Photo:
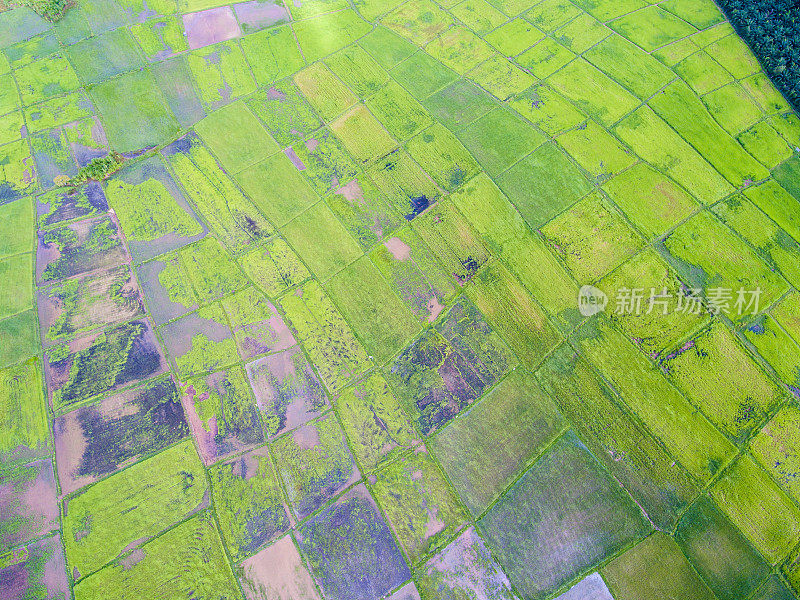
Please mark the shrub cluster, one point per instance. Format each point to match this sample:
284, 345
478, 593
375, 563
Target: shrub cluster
772, 29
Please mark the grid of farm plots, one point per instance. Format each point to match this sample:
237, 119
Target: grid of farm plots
319, 338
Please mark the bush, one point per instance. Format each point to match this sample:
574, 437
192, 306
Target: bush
98, 169
772, 30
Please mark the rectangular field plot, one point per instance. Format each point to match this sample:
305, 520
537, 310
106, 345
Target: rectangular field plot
230, 214
596, 150
38, 566
363, 210
631, 454
151, 210
249, 502
419, 20
221, 74
211, 270
274, 267
19, 332
651, 27
97, 440
18, 175
449, 367
99, 58
351, 549
272, 53
256, 324
327, 33
187, 562
405, 184
419, 503
315, 464
167, 288
277, 573
546, 108
285, 112
564, 515
53, 157
100, 363
87, 302
440, 153
459, 49
16, 278
23, 416
28, 498
200, 342
174, 79
362, 135
422, 75
326, 336
287, 391
15, 218
323, 160
775, 447
105, 520
377, 426
484, 450
458, 104
358, 70
222, 412
464, 569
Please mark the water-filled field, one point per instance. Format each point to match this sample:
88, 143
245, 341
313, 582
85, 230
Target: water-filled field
396, 299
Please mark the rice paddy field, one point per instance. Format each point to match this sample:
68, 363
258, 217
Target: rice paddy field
396, 299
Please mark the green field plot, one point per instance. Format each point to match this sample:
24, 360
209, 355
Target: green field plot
648, 305
185, 562
774, 245
776, 347
358, 70
363, 211
327, 33
86, 302
221, 409
327, 338
99, 439
326, 92
605, 241
376, 425
12, 125
9, 94
531, 524
212, 272
274, 267
545, 58
788, 125
167, 287
134, 111
701, 14
764, 93
655, 568
549, 15
17, 171
732, 108
422, 75
78, 248
277, 188
419, 504
454, 242
221, 73
24, 411
774, 587
785, 313
484, 450
21, 24
323, 160
717, 375
775, 448
16, 279
87, 140
386, 47
160, 38
702, 73
406, 186
285, 112
414, 274
33, 49
651, 27
398, 111
16, 220
543, 184
23, 340
759, 508
377, 315
597, 151
287, 391
673, 53
236, 137
321, 241
705, 535
249, 502
686, 434
480, 16
787, 176
459, 49
449, 367
256, 324
99, 58
464, 569
174, 79
631, 454
654, 141
419, 20
315, 464
513, 313
458, 104
137, 503
623, 61
709, 266
582, 33
503, 79
733, 54
32, 511
52, 156
546, 108
102, 362
778, 204
594, 93
514, 37
686, 114
45, 78
272, 54
499, 139
765, 144
200, 342
440, 153
362, 135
